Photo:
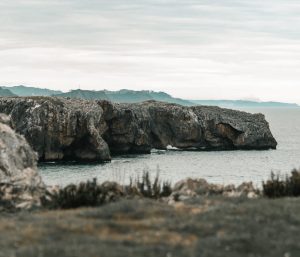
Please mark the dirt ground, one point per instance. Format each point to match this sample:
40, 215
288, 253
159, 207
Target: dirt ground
199, 227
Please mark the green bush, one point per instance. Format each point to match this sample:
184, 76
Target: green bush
278, 186
145, 187
73, 196
89, 194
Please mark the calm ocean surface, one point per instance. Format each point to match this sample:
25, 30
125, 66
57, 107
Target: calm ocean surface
221, 167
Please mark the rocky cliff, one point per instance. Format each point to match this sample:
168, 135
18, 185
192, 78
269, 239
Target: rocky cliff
74, 129
59, 128
142, 126
20, 184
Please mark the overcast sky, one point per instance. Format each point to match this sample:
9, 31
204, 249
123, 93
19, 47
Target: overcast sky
195, 49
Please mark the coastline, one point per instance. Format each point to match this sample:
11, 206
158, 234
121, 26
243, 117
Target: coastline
148, 217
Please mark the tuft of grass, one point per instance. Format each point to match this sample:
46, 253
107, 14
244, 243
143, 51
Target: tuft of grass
277, 186
86, 194
150, 189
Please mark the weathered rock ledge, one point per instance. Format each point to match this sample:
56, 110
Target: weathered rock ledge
74, 129
142, 126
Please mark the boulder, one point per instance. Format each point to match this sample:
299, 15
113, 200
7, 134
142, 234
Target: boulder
20, 184
187, 188
192, 187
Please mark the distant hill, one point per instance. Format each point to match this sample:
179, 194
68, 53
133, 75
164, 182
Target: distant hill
244, 103
31, 91
132, 96
124, 96
6, 92
85, 94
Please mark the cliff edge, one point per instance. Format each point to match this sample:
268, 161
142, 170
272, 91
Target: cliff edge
75, 129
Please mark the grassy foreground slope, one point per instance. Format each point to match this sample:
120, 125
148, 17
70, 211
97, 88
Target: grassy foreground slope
201, 226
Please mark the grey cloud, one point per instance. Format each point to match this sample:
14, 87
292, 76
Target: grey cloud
144, 43
81, 23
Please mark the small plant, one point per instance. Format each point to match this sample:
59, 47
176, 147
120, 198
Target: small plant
149, 189
277, 186
74, 196
91, 194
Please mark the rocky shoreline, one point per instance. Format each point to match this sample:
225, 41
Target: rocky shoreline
75, 129
21, 187
145, 218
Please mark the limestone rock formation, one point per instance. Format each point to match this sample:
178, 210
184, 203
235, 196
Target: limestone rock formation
142, 126
129, 128
73, 129
20, 184
58, 128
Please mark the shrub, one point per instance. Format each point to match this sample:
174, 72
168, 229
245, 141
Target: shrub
73, 196
278, 186
149, 189
89, 194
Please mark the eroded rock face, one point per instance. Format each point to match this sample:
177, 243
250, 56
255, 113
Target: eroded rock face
58, 128
74, 129
20, 184
128, 128
142, 126
231, 129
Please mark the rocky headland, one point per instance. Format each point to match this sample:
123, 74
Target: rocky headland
21, 187
75, 129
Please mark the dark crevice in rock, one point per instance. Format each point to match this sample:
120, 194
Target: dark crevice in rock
80, 150
156, 142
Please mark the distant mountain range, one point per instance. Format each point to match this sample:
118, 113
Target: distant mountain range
30, 91
124, 96
131, 96
6, 92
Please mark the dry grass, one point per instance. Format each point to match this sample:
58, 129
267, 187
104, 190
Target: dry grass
203, 226
86, 194
278, 186
150, 189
